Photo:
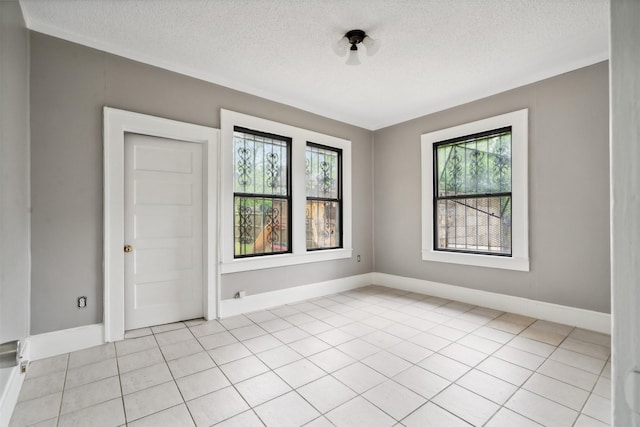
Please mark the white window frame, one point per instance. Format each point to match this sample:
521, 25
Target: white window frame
299, 138
519, 259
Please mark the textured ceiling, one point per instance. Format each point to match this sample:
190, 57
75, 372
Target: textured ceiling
434, 54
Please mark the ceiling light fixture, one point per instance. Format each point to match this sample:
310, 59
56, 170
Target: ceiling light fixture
354, 38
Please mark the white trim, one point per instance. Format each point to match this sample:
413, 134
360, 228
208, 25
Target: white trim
10, 394
299, 137
116, 124
232, 307
42, 346
518, 120
65, 341
587, 319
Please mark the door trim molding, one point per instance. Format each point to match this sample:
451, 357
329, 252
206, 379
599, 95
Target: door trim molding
116, 124
10, 394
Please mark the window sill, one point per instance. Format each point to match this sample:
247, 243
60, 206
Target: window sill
272, 261
477, 260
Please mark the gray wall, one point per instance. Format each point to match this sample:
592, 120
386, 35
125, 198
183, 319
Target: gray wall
568, 180
14, 183
625, 195
69, 86
568, 193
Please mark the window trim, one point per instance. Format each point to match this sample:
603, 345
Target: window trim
519, 259
338, 151
299, 138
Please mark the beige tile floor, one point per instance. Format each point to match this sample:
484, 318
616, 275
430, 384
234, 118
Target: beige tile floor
368, 357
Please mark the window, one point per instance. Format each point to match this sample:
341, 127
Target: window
474, 193
262, 196
286, 194
323, 185
472, 197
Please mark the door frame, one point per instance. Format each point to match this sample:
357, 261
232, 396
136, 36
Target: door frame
116, 124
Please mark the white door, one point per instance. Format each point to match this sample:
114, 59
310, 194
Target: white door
163, 231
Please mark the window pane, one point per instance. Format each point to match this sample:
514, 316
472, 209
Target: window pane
260, 164
475, 166
260, 225
323, 224
322, 169
480, 224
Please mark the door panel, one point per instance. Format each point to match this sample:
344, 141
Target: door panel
162, 159
161, 192
167, 226
163, 224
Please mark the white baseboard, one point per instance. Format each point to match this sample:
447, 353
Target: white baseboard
232, 307
42, 346
59, 342
67, 340
587, 319
10, 395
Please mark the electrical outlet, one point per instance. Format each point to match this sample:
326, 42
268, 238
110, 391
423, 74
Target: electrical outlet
358, 258
82, 302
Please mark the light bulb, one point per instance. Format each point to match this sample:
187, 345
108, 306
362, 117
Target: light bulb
341, 46
372, 45
353, 56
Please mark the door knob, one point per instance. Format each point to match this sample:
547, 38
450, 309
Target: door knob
128, 248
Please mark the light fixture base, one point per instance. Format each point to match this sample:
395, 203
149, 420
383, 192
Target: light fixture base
355, 37
349, 44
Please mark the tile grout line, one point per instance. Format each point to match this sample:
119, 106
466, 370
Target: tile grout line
59, 415
415, 364
251, 408
124, 409
468, 333
533, 372
591, 393
275, 373
321, 414
166, 362
342, 305
500, 406
350, 364
452, 382
392, 378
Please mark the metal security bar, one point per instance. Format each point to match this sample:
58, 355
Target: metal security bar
262, 195
472, 193
323, 173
